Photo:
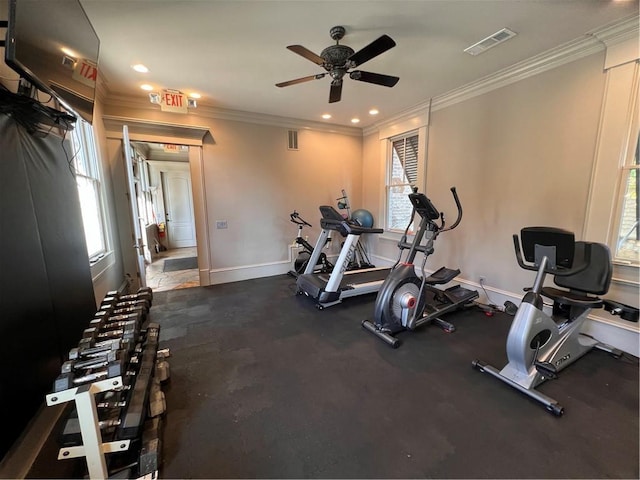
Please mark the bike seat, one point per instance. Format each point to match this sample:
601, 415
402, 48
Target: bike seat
571, 298
582, 287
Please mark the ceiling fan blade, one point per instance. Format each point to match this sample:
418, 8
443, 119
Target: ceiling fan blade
335, 94
374, 49
306, 53
377, 78
301, 80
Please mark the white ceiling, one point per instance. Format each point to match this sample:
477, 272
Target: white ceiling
234, 52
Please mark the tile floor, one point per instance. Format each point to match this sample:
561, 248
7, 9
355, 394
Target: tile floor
160, 281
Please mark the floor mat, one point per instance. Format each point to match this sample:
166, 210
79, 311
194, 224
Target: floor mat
174, 264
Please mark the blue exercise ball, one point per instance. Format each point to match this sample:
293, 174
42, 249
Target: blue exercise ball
362, 217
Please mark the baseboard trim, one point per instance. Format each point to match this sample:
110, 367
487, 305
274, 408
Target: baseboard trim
259, 270
625, 338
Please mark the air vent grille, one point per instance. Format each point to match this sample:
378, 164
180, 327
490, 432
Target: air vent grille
490, 42
292, 140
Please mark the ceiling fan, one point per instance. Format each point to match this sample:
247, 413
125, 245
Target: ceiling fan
338, 60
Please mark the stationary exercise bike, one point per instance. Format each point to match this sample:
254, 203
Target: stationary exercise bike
405, 300
323, 265
540, 345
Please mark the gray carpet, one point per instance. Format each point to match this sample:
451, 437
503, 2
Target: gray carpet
266, 386
263, 385
175, 264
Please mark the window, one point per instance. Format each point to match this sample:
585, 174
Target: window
87, 172
402, 174
627, 247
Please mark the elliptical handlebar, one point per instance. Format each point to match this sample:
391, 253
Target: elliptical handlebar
458, 206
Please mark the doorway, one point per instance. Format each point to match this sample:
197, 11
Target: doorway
170, 238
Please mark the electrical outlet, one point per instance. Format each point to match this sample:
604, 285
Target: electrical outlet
482, 280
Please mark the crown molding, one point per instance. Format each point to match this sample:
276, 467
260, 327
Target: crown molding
592, 42
154, 131
205, 111
621, 31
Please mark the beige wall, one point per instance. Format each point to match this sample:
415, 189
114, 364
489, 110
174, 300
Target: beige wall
254, 182
520, 155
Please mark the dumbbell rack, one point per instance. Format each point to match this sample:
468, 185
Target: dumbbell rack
122, 346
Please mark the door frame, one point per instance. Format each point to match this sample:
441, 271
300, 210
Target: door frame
165, 172
193, 137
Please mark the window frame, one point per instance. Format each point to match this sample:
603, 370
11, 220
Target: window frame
630, 164
421, 167
87, 166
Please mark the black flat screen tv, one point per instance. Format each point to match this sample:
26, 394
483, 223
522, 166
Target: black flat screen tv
52, 45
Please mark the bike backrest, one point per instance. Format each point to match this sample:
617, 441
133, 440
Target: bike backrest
554, 243
596, 278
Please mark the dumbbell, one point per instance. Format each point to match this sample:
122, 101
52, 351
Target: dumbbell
128, 332
111, 405
106, 321
114, 303
71, 433
108, 312
92, 362
85, 349
123, 309
67, 379
144, 292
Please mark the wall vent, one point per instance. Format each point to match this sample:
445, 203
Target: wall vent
490, 42
292, 140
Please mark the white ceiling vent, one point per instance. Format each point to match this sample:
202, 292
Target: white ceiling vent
491, 41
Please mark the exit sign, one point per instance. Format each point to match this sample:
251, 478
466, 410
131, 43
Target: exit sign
85, 72
174, 101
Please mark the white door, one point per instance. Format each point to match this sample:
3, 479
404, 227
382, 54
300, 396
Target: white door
138, 242
181, 228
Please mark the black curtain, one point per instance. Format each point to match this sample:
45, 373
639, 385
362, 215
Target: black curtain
46, 291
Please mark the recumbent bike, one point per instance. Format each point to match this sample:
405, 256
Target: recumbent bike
539, 345
405, 300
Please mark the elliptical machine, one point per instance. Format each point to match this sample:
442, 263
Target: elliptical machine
539, 344
405, 300
323, 265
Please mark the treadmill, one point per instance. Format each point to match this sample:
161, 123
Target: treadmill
328, 289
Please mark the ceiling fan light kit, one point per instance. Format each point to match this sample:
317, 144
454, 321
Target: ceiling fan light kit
338, 60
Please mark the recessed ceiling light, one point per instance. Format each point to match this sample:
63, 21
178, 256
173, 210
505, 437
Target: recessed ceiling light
146, 87
140, 68
355, 120
195, 95
373, 111
326, 116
